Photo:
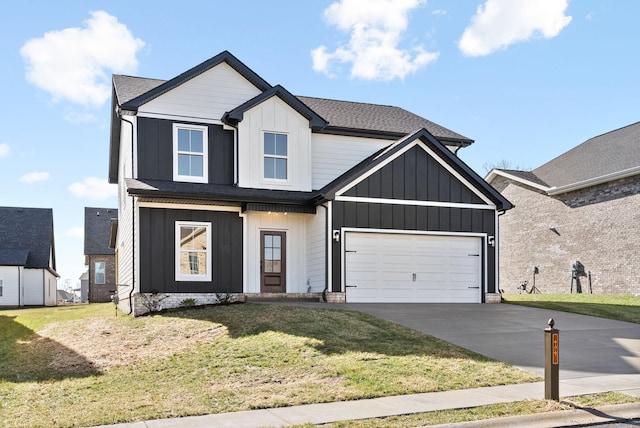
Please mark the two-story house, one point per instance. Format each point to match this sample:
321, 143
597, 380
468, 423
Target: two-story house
228, 184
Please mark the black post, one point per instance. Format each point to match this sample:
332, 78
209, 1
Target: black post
551, 362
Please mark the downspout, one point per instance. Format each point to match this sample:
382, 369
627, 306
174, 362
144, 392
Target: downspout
326, 253
497, 251
236, 150
133, 226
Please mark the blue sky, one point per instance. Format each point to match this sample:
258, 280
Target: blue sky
526, 79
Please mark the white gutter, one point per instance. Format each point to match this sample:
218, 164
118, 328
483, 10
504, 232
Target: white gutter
594, 181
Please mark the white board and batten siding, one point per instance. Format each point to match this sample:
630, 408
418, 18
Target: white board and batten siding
274, 115
206, 96
9, 280
412, 268
316, 250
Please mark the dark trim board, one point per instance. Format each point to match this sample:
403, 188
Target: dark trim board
157, 251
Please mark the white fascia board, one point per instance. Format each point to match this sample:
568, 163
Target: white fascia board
414, 202
594, 181
495, 172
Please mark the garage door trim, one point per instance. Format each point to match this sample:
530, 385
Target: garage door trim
482, 236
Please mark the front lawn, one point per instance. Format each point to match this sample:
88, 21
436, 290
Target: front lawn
81, 365
613, 306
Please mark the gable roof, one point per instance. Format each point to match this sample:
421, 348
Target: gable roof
97, 228
163, 87
315, 121
610, 156
27, 231
381, 157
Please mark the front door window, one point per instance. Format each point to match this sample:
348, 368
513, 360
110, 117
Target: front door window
273, 262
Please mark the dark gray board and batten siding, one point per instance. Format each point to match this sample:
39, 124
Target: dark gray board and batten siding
400, 179
155, 151
157, 251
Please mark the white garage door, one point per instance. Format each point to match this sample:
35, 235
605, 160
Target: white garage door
402, 268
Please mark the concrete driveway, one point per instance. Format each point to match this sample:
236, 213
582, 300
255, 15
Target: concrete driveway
589, 346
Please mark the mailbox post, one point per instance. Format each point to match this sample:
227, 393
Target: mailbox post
551, 361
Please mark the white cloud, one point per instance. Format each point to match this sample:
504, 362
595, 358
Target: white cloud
33, 177
76, 63
376, 28
75, 232
500, 23
4, 150
94, 188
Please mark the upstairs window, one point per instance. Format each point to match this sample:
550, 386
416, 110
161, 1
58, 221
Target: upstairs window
193, 251
190, 153
275, 156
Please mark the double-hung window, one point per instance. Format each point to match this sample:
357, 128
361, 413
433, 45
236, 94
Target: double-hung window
275, 156
100, 274
193, 251
190, 153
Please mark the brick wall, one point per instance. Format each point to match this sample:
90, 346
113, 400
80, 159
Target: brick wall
102, 292
599, 226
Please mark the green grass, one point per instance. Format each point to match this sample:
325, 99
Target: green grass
80, 365
612, 306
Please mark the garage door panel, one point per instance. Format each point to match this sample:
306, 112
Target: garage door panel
412, 268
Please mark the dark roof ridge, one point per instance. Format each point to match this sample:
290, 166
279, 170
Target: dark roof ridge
348, 101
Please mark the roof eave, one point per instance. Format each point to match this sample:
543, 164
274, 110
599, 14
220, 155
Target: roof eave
630, 172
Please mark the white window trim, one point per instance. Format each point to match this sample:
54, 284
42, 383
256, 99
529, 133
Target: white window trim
205, 153
192, 277
264, 179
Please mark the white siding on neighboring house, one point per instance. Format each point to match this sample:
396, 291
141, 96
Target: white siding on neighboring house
294, 226
10, 276
50, 289
333, 155
275, 116
207, 96
316, 250
33, 287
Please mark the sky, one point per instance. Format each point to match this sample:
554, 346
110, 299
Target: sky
526, 79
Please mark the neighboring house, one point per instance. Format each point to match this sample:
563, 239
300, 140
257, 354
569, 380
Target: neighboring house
84, 287
582, 206
230, 185
98, 256
28, 274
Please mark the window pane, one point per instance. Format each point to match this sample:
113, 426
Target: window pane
268, 253
269, 167
281, 169
276, 241
281, 145
268, 240
183, 140
184, 165
268, 266
196, 141
276, 266
276, 254
269, 144
196, 166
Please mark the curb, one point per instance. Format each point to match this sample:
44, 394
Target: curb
579, 416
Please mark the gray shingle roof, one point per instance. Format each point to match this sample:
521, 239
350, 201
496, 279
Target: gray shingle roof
376, 117
609, 153
526, 175
341, 115
27, 231
97, 226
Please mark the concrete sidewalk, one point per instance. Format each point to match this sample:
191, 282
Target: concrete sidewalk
427, 402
